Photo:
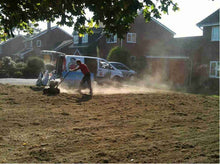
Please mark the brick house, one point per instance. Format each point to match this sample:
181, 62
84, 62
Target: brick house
140, 40
12, 46
48, 39
203, 52
86, 45
155, 42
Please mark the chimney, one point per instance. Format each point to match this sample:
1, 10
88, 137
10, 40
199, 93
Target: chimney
48, 26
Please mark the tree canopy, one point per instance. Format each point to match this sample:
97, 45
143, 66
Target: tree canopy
116, 15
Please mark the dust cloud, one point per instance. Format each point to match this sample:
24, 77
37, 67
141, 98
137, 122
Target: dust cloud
145, 85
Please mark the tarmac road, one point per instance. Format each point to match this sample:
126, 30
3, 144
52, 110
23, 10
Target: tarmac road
17, 81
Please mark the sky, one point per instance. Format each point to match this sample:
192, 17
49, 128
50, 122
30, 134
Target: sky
182, 22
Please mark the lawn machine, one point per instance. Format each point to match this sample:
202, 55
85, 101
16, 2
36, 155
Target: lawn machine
53, 86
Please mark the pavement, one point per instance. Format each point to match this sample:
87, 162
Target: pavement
18, 81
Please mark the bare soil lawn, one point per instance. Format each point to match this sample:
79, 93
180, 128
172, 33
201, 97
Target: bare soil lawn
149, 127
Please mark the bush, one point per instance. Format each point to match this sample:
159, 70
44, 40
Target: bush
18, 74
4, 74
118, 54
35, 65
21, 66
8, 66
1, 64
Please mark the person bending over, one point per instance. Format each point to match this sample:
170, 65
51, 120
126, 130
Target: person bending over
86, 78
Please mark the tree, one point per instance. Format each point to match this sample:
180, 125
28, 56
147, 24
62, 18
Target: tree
116, 15
35, 65
119, 54
8, 65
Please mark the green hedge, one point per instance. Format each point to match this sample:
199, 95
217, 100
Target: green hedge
119, 54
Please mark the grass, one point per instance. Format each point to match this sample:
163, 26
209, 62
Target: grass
138, 128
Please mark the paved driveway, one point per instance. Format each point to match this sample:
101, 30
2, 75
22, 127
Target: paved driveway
16, 81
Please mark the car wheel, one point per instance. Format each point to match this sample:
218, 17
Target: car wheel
117, 79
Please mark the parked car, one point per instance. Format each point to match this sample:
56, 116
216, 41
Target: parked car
101, 70
127, 72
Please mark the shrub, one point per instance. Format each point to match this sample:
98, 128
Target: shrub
18, 74
1, 64
4, 74
8, 65
21, 65
118, 54
35, 65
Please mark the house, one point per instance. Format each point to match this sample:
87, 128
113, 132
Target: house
85, 45
191, 61
11, 46
155, 42
209, 55
203, 52
140, 40
48, 39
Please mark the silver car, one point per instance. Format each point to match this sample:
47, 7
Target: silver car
127, 72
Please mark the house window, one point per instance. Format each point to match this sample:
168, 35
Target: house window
215, 33
85, 38
38, 43
112, 39
131, 38
214, 69
76, 39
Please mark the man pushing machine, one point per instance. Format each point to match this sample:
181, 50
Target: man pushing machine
86, 78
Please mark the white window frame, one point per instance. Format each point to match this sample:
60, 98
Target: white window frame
38, 43
216, 69
76, 39
215, 33
131, 37
112, 39
85, 38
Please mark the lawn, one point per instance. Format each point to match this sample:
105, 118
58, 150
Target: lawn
130, 127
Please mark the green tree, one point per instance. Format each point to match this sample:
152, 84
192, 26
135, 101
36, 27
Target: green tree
119, 54
116, 15
34, 66
8, 65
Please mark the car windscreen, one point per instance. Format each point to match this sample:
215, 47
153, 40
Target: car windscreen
120, 66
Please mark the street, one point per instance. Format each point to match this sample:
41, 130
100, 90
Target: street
17, 81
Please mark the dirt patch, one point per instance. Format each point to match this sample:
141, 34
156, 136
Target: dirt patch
142, 127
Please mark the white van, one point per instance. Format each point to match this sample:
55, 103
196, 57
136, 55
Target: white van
101, 70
